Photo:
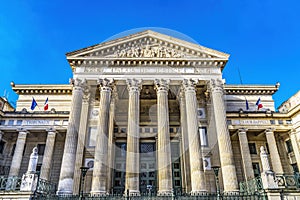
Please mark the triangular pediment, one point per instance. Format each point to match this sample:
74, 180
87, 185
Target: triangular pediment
147, 44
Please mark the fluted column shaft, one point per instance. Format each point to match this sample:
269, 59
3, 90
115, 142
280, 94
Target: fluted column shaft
100, 161
132, 154
111, 147
48, 155
1, 135
226, 154
246, 157
274, 154
184, 143
65, 185
18, 154
295, 144
196, 162
81, 139
163, 139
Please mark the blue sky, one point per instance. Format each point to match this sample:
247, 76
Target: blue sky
262, 37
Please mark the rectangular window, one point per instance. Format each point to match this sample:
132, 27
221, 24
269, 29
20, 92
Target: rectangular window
154, 130
147, 130
288, 121
252, 148
121, 149
19, 122
289, 146
280, 121
56, 122
116, 130
272, 121
2, 145
41, 149
171, 130
10, 122
123, 130
256, 169
2, 122
13, 150
65, 122
203, 136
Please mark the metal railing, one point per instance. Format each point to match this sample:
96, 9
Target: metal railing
45, 187
289, 181
252, 186
12, 183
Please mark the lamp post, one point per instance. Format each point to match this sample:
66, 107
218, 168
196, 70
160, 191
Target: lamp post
216, 171
82, 177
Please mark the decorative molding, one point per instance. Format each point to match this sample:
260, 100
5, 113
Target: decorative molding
161, 85
147, 51
250, 89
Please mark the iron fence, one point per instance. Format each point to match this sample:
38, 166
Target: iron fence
290, 181
12, 183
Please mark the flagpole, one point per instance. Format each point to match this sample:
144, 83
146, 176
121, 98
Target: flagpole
241, 81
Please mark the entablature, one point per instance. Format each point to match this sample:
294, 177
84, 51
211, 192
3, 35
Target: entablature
251, 89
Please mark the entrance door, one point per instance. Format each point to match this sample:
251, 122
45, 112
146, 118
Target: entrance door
147, 168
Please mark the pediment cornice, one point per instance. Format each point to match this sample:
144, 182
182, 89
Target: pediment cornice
146, 46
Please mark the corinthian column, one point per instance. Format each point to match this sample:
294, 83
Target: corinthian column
47, 158
81, 138
163, 139
246, 157
196, 162
65, 184
100, 160
18, 154
111, 137
226, 155
184, 143
132, 154
275, 158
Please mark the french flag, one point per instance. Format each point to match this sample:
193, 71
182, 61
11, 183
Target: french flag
46, 104
259, 104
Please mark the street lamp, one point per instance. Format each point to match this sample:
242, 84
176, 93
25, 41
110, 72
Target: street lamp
216, 171
82, 177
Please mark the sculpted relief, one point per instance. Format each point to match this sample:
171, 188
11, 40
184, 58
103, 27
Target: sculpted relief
148, 52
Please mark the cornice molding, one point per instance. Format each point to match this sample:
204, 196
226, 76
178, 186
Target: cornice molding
250, 89
43, 89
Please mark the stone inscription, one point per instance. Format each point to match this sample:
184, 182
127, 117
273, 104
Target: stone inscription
250, 122
36, 122
151, 70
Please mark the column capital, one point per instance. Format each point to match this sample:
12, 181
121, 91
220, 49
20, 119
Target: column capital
189, 84
134, 85
291, 132
105, 84
241, 130
51, 129
22, 130
86, 93
269, 130
161, 85
216, 85
78, 84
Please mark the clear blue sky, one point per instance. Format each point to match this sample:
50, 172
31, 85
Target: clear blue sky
262, 36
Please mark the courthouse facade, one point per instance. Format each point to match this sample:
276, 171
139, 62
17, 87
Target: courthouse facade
149, 111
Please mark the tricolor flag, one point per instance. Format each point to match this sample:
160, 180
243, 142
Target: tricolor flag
46, 104
247, 105
33, 104
259, 104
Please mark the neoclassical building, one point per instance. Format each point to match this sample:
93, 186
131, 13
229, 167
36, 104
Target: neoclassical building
149, 111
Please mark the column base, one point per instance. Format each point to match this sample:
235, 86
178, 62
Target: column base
198, 192
99, 193
165, 193
132, 193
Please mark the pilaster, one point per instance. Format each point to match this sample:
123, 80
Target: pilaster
295, 144
81, 137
